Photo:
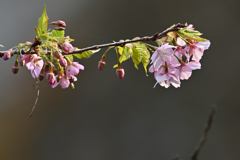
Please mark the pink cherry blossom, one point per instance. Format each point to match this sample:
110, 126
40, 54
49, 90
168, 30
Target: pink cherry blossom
161, 55
196, 49
33, 63
73, 69
166, 75
63, 81
185, 71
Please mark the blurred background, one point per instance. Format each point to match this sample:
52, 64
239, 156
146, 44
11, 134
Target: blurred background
105, 118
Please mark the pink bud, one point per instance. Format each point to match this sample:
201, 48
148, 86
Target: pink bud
50, 77
101, 65
120, 73
58, 55
59, 23
15, 68
7, 54
59, 28
67, 47
63, 62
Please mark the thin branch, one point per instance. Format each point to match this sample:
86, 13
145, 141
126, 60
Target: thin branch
37, 86
205, 133
146, 38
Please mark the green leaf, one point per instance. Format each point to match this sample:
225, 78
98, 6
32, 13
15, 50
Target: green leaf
144, 54
136, 57
44, 40
86, 54
1, 45
193, 36
196, 33
70, 57
145, 62
43, 22
56, 33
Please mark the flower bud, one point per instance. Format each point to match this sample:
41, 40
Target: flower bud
59, 23
50, 77
7, 54
15, 68
63, 62
67, 47
120, 73
58, 55
101, 65
59, 28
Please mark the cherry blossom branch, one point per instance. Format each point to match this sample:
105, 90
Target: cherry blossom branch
146, 38
121, 43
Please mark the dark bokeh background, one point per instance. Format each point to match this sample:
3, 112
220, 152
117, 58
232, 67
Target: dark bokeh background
105, 118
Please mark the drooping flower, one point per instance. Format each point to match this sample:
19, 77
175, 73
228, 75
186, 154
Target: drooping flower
63, 80
161, 55
73, 69
33, 63
166, 75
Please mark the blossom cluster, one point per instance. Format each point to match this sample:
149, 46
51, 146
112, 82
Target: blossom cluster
58, 66
172, 63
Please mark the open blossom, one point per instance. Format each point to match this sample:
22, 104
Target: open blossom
63, 80
196, 49
166, 75
33, 63
73, 69
161, 55
185, 71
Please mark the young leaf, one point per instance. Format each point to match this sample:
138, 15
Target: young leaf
56, 33
136, 57
86, 54
43, 22
70, 57
192, 35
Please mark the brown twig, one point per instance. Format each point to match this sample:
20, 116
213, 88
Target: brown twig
94, 47
205, 133
38, 88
